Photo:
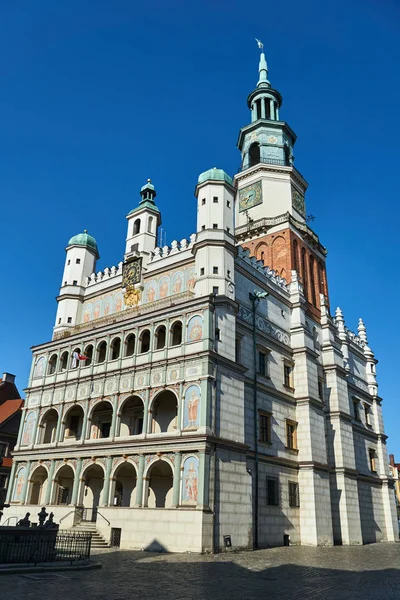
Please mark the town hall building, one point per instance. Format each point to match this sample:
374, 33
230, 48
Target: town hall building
205, 389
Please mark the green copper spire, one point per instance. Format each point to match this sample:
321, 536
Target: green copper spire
148, 194
262, 68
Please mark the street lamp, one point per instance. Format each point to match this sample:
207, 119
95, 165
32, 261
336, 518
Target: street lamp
255, 298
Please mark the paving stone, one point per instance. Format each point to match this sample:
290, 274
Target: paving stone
348, 573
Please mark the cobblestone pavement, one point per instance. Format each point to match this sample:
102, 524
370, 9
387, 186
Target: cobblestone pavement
362, 572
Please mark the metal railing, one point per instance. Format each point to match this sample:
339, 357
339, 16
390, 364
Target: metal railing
8, 523
91, 514
33, 547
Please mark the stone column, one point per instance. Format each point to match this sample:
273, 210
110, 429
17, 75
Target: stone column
177, 479
49, 489
180, 408
106, 488
84, 433
114, 417
25, 488
277, 113
139, 485
76, 482
271, 109
204, 480
11, 482
263, 101
146, 414
21, 429
59, 424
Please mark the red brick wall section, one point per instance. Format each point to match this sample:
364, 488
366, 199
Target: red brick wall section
285, 251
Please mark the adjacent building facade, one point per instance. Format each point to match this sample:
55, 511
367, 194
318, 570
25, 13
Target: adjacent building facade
204, 389
10, 417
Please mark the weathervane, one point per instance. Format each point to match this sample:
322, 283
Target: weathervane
260, 44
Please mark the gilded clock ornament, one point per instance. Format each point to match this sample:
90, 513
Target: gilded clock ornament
131, 273
132, 297
250, 196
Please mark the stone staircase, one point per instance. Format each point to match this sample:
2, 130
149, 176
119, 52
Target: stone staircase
88, 527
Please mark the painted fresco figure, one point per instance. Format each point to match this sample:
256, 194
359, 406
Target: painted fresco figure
192, 408
191, 485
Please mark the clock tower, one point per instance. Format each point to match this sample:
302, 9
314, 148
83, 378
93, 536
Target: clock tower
270, 205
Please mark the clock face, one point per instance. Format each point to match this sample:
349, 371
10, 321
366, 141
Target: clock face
298, 202
131, 273
250, 196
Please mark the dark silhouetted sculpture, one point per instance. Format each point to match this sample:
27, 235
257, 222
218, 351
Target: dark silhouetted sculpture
25, 522
42, 516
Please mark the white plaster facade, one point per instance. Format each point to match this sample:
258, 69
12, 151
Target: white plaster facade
155, 429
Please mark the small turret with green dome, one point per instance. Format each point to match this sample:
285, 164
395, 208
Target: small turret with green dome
214, 174
86, 240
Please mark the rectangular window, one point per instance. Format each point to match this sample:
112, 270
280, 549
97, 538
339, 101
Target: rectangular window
264, 423
272, 491
356, 410
262, 363
69, 320
65, 283
215, 291
59, 320
203, 227
215, 199
291, 434
202, 271
288, 375
367, 413
215, 270
294, 496
215, 225
75, 282
69, 262
372, 460
320, 388
238, 342
3, 449
78, 261
203, 201
228, 203
217, 334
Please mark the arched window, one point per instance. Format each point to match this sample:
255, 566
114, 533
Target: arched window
304, 271
287, 155
136, 227
321, 278
74, 360
115, 348
312, 282
64, 361
52, 364
176, 333
49, 427
145, 341
160, 336
101, 420
130, 344
296, 256
89, 355
101, 352
254, 154
150, 225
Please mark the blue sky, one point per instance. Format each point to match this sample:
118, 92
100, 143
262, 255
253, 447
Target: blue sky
97, 96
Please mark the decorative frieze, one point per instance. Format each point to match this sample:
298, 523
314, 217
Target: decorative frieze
263, 325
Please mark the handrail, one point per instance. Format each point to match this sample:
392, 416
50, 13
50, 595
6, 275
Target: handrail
99, 513
68, 513
6, 521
